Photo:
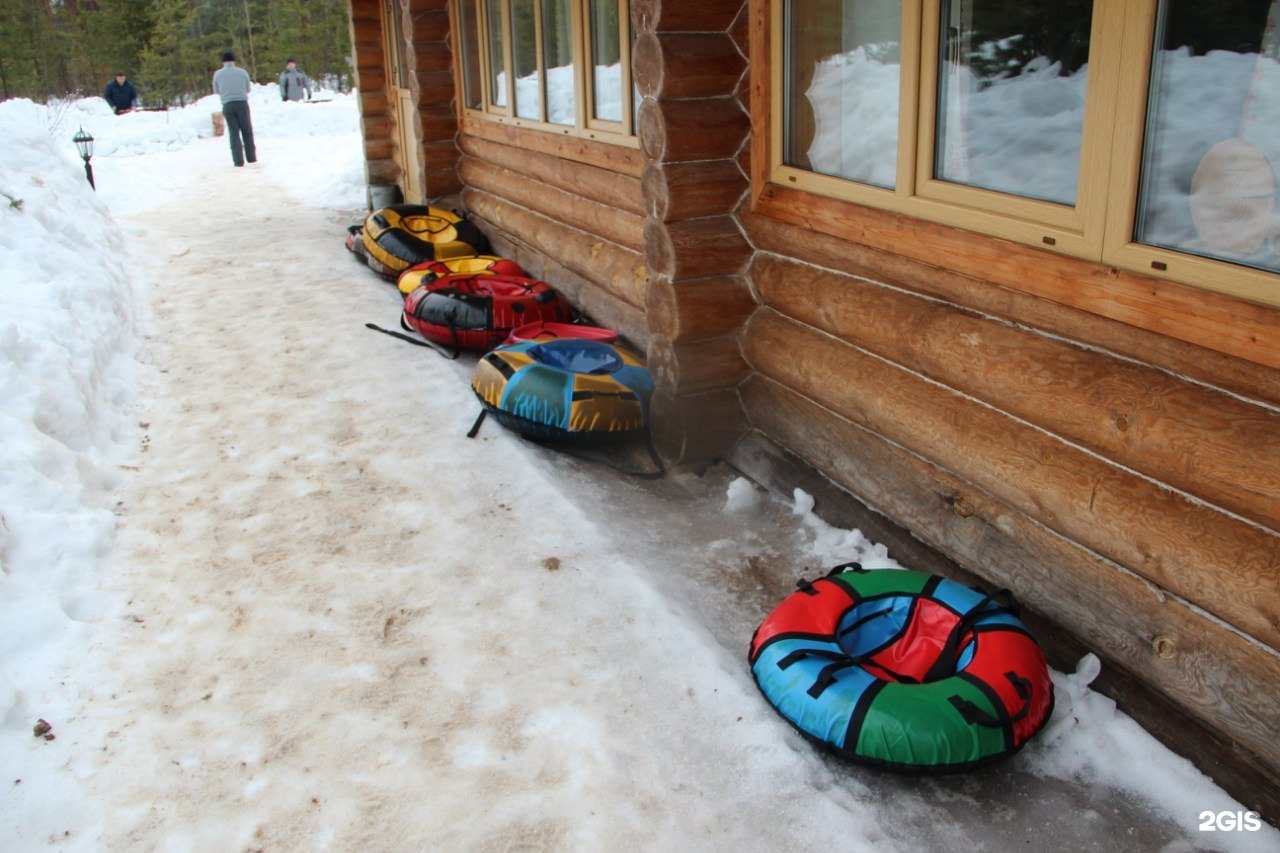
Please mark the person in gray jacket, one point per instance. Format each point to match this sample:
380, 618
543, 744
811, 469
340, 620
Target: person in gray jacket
231, 83
293, 83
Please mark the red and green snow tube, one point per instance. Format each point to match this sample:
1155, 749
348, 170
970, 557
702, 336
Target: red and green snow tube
903, 670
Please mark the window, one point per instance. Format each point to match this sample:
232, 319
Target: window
569, 62
1144, 134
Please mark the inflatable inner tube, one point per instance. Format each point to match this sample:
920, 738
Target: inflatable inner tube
420, 274
565, 389
477, 311
397, 237
543, 331
902, 670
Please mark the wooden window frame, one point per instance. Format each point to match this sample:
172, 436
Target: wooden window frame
1103, 270
585, 125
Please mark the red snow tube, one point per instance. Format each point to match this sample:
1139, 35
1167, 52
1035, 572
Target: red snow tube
477, 311
419, 274
542, 331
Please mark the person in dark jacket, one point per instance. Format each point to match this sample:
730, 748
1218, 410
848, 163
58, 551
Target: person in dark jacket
121, 95
293, 83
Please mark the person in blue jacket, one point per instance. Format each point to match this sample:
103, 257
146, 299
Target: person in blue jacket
121, 95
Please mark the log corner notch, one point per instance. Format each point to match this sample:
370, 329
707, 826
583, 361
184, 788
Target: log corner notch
375, 97
429, 56
688, 68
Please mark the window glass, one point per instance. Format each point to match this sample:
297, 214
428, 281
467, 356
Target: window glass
1011, 93
497, 53
557, 54
1213, 133
470, 46
842, 69
524, 52
606, 59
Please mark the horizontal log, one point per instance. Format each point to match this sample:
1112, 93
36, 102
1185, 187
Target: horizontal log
1218, 675
1206, 443
615, 269
367, 29
378, 149
439, 154
691, 190
695, 428
440, 182
440, 118
670, 17
377, 128
431, 57
1212, 320
1207, 365
592, 303
430, 21
698, 309
617, 226
686, 65
616, 189
695, 368
435, 87
372, 103
1225, 565
696, 129
696, 248
371, 80
615, 158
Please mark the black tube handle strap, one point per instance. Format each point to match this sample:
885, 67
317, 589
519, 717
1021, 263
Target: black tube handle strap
974, 715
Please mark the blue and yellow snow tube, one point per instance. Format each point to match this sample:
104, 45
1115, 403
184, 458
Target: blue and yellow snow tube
397, 237
902, 670
565, 388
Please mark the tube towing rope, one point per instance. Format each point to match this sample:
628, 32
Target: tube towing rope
902, 670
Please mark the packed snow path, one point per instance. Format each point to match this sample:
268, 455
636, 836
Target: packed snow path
346, 626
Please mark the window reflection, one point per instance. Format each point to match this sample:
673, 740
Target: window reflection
1011, 91
469, 28
843, 65
557, 52
1213, 133
524, 53
497, 53
606, 59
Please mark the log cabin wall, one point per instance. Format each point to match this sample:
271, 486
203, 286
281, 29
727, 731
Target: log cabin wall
989, 398
689, 66
429, 56
369, 63
644, 240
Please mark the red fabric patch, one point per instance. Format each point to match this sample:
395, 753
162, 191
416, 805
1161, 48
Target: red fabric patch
916, 650
802, 613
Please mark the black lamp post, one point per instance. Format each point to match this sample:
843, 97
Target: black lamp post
84, 144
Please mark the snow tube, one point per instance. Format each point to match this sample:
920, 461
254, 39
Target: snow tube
420, 274
476, 311
397, 237
542, 331
565, 388
902, 670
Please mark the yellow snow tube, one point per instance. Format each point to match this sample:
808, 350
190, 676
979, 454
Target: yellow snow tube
402, 235
420, 274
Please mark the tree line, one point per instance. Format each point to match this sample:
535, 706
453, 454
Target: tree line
169, 49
